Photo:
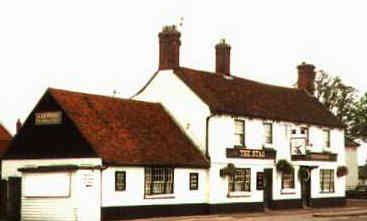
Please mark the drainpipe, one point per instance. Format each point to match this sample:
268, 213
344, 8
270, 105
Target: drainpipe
207, 137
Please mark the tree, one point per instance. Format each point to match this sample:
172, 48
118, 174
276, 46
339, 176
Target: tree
335, 95
357, 118
342, 100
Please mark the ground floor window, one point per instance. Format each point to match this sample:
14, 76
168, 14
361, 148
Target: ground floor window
158, 180
240, 181
327, 181
120, 180
288, 180
194, 181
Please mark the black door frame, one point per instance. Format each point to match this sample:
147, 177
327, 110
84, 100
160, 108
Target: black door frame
268, 188
306, 188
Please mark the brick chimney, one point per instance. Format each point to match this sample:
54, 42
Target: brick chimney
222, 57
169, 48
18, 125
306, 77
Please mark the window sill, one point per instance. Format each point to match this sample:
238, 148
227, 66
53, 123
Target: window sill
268, 145
326, 192
238, 194
160, 196
287, 191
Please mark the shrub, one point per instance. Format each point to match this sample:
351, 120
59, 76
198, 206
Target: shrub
229, 170
284, 166
342, 171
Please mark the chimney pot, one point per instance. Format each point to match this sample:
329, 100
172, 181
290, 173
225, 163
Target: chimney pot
222, 57
306, 77
169, 48
18, 125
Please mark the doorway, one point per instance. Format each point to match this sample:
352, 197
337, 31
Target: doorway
306, 186
268, 188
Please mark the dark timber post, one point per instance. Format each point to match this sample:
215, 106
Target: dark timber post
3, 194
14, 200
268, 188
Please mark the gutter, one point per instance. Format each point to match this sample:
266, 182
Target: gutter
207, 136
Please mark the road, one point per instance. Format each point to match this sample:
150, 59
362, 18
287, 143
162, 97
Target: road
294, 215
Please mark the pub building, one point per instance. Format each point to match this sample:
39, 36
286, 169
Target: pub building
189, 142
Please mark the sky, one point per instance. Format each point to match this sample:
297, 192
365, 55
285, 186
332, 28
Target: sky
98, 46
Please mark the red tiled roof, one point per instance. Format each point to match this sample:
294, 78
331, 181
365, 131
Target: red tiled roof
242, 97
129, 132
5, 138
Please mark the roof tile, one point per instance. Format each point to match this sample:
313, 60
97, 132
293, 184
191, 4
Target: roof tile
242, 97
129, 132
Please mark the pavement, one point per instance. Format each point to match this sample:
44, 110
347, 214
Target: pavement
354, 210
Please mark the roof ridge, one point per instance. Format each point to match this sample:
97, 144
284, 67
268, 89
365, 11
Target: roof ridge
241, 78
99, 95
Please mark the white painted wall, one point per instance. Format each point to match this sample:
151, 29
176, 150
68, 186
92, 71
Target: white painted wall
191, 113
362, 153
83, 204
89, 194
181, 102
134, 193
221, 136
351, 160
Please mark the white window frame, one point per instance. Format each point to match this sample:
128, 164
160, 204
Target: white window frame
154, 181
271, 133
331, 184
236, 133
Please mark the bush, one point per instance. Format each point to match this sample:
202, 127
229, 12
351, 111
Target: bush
229, 170
342, 171
284, 166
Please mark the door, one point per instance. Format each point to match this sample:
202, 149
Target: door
3, 199
268, 188
14, 198
306, 187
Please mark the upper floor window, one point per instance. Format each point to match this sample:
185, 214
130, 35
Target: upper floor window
241, 181
304, 133
239, 133
158, 180
268, 133
326, 137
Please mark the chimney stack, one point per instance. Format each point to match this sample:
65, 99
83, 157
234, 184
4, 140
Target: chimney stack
169, 48
18, 125
306, 77
222, 57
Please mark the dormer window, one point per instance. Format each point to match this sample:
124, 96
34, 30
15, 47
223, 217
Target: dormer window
326, 137
239, 132
268, 133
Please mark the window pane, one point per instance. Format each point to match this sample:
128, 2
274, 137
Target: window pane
239, 133
268, 133
241, 181
158, 180
288, 180
194, 179
239, 126
326, 138
327, 181
238, 140
120, 182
